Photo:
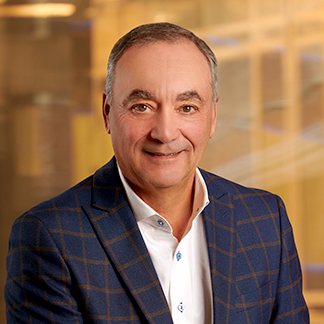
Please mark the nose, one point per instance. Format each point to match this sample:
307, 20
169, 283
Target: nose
165, 128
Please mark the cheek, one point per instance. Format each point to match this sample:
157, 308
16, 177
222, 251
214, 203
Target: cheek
127, 133
198, 132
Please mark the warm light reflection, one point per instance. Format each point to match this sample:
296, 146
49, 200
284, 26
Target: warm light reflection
270, 123
38, 10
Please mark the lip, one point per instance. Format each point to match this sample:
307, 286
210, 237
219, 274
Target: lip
161, 155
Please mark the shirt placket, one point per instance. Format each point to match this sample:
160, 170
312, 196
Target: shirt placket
181, 285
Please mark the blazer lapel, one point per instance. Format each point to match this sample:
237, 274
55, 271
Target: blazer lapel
117, 230
220, 234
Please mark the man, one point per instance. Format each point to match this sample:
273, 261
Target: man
150, 238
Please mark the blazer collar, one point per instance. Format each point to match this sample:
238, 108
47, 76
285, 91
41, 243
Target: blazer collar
221, 237
116, 228
107, 189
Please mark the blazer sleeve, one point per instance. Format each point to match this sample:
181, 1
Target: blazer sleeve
290, 306
39, 286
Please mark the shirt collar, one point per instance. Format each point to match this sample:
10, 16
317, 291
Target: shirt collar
142, 210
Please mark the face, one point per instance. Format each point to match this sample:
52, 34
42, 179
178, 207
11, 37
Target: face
161, 116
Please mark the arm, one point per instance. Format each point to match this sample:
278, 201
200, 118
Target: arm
39, 286
290, 306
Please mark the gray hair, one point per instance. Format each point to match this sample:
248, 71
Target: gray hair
151, 33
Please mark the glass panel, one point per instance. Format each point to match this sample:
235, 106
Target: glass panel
270, 113
273, 103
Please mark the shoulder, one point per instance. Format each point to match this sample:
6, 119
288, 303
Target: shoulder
49, 212
214, 181
242, 197
69, 203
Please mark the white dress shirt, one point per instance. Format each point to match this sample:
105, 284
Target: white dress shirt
182, 267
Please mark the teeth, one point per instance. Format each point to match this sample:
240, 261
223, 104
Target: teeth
161, 154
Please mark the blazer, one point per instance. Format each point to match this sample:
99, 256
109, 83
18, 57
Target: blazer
80, 258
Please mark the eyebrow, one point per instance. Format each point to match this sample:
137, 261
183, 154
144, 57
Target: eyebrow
189, 95
138, 94
143, 94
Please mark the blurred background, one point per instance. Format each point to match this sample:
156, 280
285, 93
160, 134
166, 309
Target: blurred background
270, 131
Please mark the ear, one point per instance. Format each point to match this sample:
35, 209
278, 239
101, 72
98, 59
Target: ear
214, 119
105, 112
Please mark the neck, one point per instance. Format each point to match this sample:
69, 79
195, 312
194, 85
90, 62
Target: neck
174, 204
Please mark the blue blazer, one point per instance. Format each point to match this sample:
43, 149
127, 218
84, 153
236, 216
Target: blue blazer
80, 258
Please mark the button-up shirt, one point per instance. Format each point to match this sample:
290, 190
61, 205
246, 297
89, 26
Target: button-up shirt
182, 267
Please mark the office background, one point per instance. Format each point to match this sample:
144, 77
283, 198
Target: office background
270, 131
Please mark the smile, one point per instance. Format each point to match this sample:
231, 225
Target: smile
162, 154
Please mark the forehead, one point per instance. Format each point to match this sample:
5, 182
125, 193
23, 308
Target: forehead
165, 46
158, 64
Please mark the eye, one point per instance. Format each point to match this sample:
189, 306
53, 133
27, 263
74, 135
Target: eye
187, 109
140, 107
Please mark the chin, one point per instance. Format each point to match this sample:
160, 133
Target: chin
165, 180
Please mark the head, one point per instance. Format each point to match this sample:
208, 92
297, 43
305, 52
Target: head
151, 33
160, 108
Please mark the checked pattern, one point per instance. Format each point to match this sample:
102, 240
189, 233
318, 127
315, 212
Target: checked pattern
80, 258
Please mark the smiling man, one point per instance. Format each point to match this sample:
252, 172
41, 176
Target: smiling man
161, 118
151, 238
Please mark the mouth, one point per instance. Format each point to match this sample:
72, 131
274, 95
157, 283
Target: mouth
162, 154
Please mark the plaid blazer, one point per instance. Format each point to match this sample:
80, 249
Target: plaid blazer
80, 258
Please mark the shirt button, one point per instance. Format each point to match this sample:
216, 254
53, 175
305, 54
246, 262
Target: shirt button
181, 308
178, 255
160, 222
